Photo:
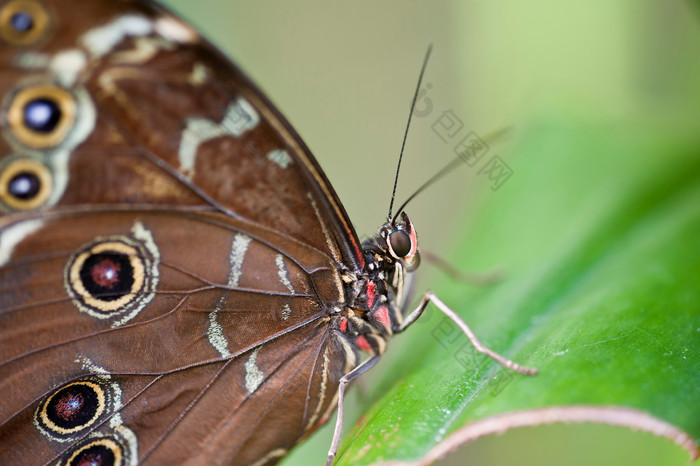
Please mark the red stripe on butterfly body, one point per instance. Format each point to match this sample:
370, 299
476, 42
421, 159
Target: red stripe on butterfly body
382, 316
363, 344
371, 289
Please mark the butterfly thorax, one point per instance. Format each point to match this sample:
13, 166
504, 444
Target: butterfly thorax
373, 310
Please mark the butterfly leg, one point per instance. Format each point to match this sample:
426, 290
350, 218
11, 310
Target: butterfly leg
366, 365
430, 297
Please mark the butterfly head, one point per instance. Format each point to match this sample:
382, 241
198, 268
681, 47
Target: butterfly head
400, 241
376, 295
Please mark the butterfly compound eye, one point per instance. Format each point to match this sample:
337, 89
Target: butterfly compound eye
399, 243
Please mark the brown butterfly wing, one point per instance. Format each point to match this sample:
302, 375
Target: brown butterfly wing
173, 169
158, 115
228, 400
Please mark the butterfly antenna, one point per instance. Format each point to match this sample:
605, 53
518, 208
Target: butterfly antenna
447, 169
408, 125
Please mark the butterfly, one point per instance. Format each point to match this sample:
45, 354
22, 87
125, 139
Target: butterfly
179, 282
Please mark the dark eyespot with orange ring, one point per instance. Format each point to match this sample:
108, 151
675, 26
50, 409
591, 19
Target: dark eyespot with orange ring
41, 116
71, 409
104, 451
108, 277
25, 184
24, 22
113, 277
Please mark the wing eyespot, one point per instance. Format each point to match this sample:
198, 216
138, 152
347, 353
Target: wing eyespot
25, 184
78, 412
104, 451
113, 277
72, 409
41, 116
24, 22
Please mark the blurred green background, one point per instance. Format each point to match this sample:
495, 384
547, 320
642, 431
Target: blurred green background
344, 73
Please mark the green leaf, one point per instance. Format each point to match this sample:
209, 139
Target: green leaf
598, 229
